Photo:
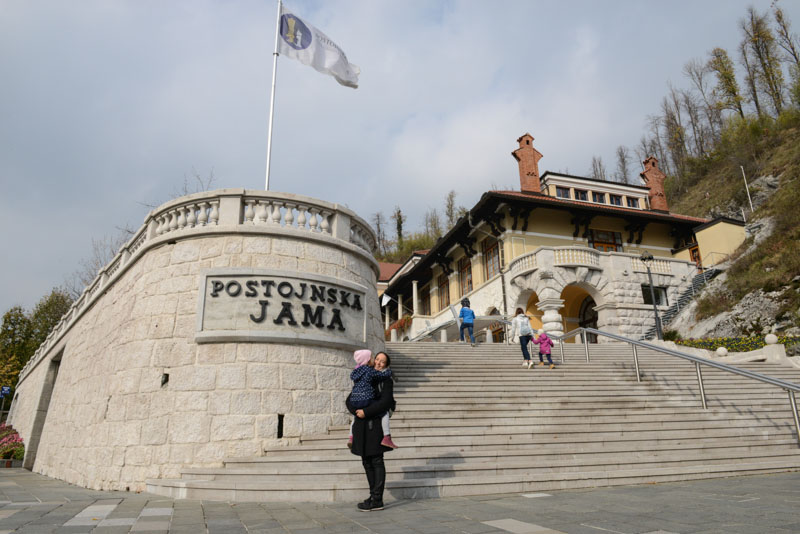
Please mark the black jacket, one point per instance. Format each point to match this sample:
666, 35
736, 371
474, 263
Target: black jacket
367, 432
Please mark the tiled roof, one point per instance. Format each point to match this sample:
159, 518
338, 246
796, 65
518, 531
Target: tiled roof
388, 270
608, 207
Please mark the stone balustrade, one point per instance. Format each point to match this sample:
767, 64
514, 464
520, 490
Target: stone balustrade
545, 257
218, 211
576, 257
526, 262
656, 266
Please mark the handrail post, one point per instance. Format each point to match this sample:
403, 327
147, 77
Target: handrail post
585, 344
561, 349
793, 402
636, 362
700, 382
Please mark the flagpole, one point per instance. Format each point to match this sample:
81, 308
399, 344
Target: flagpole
272, 94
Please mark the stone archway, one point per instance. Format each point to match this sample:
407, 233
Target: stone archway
532, 310
579, 308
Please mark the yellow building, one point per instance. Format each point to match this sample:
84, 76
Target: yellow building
566, 249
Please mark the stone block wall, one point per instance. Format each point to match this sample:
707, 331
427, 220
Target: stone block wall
111, 424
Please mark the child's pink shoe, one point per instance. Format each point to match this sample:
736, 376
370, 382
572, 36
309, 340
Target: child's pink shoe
387, 442
350, 442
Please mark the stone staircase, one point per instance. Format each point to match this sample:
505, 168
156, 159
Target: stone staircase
474, 421
684, 299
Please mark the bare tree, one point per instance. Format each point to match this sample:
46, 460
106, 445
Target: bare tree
379, 223
598, 170
750, 76
102, 252
192, 183
698, 73
623, 160
450, 209
692, 107
433, 225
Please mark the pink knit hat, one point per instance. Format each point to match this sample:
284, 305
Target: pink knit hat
362, 356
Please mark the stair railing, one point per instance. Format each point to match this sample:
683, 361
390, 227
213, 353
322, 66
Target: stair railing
790, 387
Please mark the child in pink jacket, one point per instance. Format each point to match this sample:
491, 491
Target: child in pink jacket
545, 344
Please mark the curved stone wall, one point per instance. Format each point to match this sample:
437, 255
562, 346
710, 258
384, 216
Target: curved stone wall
152, 371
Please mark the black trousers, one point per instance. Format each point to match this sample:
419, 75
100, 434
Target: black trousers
376, 476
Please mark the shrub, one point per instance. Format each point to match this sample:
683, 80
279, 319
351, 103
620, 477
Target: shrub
671, 335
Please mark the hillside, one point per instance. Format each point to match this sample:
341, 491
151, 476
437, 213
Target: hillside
769, 151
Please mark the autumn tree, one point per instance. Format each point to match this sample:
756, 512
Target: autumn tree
761, 43
46, 314
379, 224
398, 219
789, 43
726, 91
15, 346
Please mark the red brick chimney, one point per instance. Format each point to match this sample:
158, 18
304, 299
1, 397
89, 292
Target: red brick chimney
654, 179
528, 158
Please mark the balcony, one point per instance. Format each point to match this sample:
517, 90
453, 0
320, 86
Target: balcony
589, 258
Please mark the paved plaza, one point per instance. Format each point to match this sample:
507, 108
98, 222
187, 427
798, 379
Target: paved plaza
764, 504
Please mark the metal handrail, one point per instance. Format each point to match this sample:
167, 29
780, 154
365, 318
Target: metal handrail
789, 387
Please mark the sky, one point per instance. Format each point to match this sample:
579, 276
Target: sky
107, 106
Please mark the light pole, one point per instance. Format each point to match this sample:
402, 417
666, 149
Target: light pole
646, 258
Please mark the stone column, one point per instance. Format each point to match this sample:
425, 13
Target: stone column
399, 307
551, 318
386, 314
489, 336
415, 297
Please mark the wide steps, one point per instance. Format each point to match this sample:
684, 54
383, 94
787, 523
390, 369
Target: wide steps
472, 421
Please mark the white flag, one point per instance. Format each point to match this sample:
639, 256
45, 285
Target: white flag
303, 42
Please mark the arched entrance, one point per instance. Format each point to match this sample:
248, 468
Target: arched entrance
532, 311
578, 310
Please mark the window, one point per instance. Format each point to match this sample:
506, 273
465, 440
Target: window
600, 198
562, 192
660, 293
444, 291
633, 202
616, 200
491, 254
465, 275
425, 300
581, 195
605, 241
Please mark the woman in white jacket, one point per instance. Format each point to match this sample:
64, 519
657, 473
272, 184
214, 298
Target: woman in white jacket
521, 326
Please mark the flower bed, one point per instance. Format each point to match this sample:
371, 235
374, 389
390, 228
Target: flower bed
735, 344
11, 445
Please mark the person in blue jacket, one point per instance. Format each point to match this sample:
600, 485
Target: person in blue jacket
467, 317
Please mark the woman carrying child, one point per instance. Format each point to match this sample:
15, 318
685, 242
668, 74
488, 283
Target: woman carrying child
368, 436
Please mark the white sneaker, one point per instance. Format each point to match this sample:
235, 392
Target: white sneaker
530, 365
525, 364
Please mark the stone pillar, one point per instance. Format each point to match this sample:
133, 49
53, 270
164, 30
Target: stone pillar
551, 318
399, 307
489, 336
386, 314
415, 297
443, 336
393, 335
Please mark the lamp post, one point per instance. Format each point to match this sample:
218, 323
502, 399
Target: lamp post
646, 258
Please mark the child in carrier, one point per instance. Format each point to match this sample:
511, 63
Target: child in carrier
364, 378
